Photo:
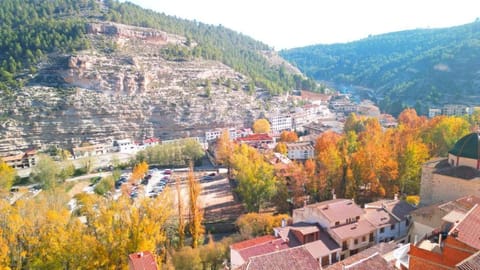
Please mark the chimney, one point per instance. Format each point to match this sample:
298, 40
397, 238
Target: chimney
284, 223
416, 240
395, 196
140, 254
304, 203
440, 239
334, 196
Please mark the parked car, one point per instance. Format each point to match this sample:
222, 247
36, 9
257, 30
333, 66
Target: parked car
167, 171
207, 178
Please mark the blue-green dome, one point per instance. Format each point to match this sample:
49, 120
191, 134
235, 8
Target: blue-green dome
467, 146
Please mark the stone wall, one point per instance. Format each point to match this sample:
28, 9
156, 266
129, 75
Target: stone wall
437, 188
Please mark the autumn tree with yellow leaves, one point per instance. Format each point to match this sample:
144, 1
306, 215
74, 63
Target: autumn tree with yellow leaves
7, 176
139, 171
255, 176
261, 126
196, 213
41, 232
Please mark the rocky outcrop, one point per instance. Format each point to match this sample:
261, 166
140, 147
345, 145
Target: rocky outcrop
126, 31
130, 92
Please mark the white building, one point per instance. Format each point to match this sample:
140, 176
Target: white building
281, 122
233, 133
124, 146
391, 218
300, 150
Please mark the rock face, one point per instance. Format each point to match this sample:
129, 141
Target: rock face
124, 88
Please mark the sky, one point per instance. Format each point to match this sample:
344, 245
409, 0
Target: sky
284, 24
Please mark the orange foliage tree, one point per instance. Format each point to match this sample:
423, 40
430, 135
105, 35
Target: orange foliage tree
288, 136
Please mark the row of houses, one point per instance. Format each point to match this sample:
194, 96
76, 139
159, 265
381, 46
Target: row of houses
123, 146
450, 110
21, 160
387, 234
331, 231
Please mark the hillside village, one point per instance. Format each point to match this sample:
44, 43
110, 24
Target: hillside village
131, 139
336, 233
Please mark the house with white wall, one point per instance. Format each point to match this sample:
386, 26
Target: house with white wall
391, 219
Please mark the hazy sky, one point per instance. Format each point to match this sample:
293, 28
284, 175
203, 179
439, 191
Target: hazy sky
295, 23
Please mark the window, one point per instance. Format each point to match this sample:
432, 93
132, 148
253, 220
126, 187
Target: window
382, 230
355, 241
392, 227
344, 245
337, 223
358, 218
364, 238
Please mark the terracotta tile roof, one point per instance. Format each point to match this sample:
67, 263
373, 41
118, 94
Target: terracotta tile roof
31, 152
151, 140
467, 231
353, 230
255, 137
375, 261
470, 263
142, 261
288, 259
252, 242
12, 157
379, 249
338, 209
264, 248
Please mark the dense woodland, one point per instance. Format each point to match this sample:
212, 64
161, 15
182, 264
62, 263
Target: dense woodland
410, 68
32, 29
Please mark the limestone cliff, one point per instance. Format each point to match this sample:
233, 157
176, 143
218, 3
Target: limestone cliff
123, 87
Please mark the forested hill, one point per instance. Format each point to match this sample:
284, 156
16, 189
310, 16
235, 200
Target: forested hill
31, 29
410, 68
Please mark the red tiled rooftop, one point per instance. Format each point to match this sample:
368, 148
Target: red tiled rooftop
31, 152
264, 248
468, 230
288, 259
375, 261
151, 140
379, 249
12, 157
256, 137
142, 261
252, 242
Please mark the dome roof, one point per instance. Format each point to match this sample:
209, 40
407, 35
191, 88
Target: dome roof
467, 146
